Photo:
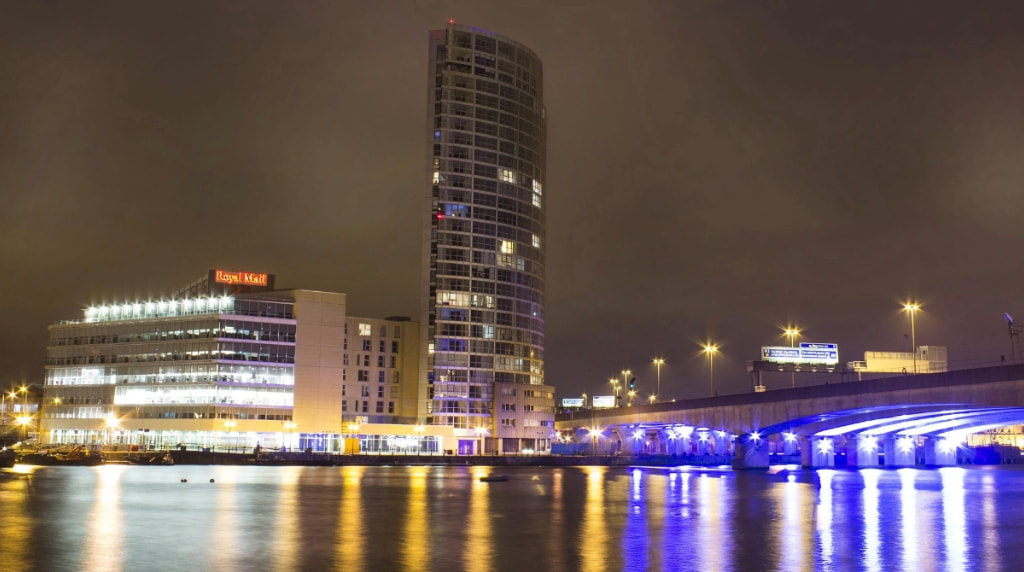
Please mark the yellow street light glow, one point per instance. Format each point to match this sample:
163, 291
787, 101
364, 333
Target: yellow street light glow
912, 308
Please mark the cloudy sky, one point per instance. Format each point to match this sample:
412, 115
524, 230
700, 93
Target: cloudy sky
716, 170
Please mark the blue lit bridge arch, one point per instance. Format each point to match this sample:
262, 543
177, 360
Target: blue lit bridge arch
900, 421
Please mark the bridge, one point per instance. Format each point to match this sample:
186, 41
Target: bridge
900, 421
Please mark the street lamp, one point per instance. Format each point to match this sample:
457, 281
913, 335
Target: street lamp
792, 332
912, 308
632, 394
595, 434
290, 426
481, 431
710, 350
652, 398
419, 429
625, 378
228, 427
111, 423
615, 388
24, 420
659, 362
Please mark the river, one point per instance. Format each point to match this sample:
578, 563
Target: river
123, 517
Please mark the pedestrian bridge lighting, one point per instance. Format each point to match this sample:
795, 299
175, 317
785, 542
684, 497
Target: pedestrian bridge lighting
825, 446
946, 445
789, 437
755, 436
638, 434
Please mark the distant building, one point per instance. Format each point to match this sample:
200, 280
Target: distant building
484, 237
930, 359
229, 362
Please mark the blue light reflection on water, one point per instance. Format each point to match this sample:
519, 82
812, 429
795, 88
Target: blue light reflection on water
445, 518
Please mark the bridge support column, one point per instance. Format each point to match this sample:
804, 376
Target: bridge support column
750, 453
806, 447
939, 452
899, 452
823, 452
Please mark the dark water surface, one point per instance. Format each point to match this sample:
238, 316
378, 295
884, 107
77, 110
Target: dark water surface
120, 517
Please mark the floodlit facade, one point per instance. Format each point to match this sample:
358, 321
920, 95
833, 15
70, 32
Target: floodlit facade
229, 365
930, 359
483, 244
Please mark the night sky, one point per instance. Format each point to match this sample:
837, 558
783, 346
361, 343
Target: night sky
716, 170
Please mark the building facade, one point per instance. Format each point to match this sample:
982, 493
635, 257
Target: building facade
220, 365
483, 244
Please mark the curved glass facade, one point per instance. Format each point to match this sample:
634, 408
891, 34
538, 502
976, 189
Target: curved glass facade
484, 234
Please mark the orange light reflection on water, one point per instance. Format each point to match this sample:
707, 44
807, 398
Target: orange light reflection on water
286, 522
594, 540
350, 551
478, 554
104, 536
416, 545
14, 519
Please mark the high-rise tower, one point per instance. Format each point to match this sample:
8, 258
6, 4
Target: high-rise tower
483, 243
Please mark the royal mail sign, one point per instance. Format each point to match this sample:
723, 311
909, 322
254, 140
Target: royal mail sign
243, 278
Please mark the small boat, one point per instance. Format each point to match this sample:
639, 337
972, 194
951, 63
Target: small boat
493, 479
76, 457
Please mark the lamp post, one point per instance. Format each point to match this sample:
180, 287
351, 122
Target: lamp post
792, 332
419, 429
481, 431
658, 362
912, 308
710, 350
615, 388
625, 378
229, 426
290, 426
632, 394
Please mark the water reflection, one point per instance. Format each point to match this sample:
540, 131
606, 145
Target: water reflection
713, 541
593, 538
871, 547
287, 539
953, 517
479, 550
444, 518
635, 535
223, 551
416, 545
823, 520
350, 537
908, 515
795, 524
15, 520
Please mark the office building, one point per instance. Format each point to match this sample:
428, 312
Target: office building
227, 363
483, 244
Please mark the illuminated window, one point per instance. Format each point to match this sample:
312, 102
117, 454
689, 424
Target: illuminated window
508, 247
536, 241
536, 201
488, 332
365, 330
508, 176
437, 178
460, 299
536, 186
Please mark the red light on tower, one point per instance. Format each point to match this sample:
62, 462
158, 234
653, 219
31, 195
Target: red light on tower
451, 20
439, 216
